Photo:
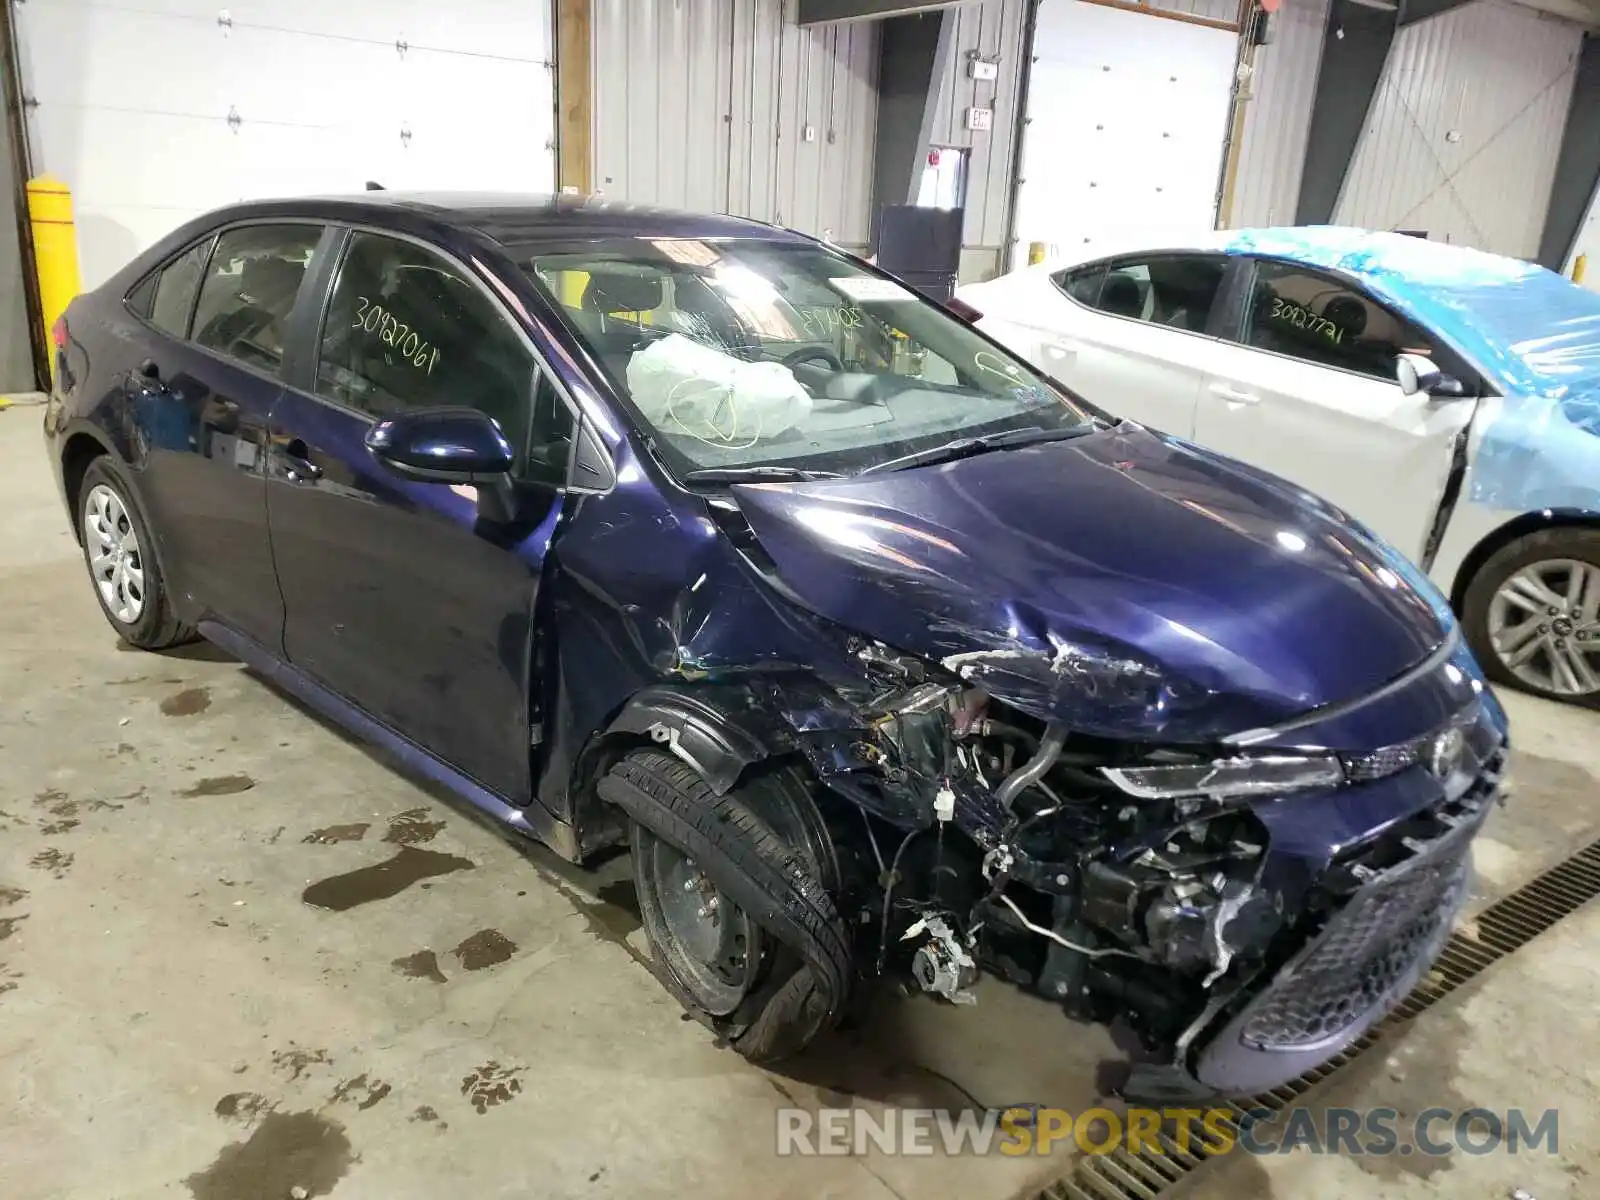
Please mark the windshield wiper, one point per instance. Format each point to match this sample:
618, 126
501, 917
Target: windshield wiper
749, 474
968, 446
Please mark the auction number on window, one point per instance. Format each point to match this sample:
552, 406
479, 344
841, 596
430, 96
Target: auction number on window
1303, 318
821, 322
381, 323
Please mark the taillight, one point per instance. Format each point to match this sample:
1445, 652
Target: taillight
58, 333
963, 310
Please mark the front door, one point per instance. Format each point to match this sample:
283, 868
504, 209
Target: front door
397, 595
1311, 395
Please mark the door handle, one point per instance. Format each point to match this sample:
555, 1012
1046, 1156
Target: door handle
1233, 395
1060, 351
297, 464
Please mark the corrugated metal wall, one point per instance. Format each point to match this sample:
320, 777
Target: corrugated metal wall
1278, 118
1465, 129
728, 106
996, 30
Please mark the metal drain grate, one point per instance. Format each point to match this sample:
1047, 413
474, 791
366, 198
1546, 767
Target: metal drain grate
1506, 925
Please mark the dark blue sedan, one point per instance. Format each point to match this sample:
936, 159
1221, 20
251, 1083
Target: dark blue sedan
883, 653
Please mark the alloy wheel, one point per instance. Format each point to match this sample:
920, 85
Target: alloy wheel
710, 943
1544, 624
116, 560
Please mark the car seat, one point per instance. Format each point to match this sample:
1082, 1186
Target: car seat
1121, 296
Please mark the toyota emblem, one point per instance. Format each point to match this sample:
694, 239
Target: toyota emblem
1446, 754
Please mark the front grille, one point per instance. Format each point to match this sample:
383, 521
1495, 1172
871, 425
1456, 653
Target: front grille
1371, 947
1359, 958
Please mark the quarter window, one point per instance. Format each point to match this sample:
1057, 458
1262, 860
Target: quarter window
249, 291
405, 329
1081, 283
1314, 317
175, 291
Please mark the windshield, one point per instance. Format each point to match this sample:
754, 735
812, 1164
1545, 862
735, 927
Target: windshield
740, 355
1549, 323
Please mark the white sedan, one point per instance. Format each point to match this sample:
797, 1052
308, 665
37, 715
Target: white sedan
1446, 398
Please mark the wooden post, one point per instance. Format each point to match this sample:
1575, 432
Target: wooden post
573, 82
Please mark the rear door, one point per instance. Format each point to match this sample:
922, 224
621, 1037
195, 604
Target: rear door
397, 596
1309, 392
219, 314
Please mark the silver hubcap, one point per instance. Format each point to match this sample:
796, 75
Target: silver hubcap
1544, 624
115, 559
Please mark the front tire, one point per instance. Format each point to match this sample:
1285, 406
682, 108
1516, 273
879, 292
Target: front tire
736, 895
119, 551
1532, 615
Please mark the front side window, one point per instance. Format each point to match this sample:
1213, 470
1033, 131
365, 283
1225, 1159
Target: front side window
743, 353
1311, 316
1177, 291
249, 291
175, 291
405, 329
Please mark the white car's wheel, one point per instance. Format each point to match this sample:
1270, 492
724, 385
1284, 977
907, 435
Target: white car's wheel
1533, 614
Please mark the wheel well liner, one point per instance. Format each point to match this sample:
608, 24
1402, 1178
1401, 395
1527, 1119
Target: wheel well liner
703, 726
1502, 537
81, 450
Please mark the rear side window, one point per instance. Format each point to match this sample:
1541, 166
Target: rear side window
249, 291
175, 291
1177, 291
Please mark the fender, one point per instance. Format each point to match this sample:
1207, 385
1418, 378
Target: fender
716, 730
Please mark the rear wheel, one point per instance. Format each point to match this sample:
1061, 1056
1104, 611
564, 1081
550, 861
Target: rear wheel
1532, 614
736, 894
119, 552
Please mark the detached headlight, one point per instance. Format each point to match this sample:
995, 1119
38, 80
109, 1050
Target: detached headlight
1227, 778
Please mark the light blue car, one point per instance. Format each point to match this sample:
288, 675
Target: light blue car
1447, 398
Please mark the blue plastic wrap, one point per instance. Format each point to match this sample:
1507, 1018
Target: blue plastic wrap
1535, 334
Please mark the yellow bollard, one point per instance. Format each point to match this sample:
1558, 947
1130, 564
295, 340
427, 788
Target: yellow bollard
55, 250
1036, 253
1578, 266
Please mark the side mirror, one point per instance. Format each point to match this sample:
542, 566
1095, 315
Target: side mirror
1417, 373
442, 445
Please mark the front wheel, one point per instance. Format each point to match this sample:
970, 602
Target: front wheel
736, 895
1532, 615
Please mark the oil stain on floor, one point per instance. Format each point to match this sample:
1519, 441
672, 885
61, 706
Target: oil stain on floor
382, 880
298, 1154
220, 785
187, 703
336, 833
491, 1085
424, 964
486, 948
412, 828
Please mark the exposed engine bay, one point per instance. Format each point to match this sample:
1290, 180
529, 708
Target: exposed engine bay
1130, 883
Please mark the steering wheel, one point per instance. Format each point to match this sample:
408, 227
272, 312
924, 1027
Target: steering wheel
821, 353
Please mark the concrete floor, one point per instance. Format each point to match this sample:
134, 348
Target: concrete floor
175, 1020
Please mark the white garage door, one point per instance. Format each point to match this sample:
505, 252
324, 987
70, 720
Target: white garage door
158, 111
1127, 113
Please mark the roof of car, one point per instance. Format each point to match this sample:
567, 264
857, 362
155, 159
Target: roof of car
515, 218
1364, 252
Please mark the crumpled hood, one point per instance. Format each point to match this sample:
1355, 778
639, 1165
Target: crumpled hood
1124, 582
